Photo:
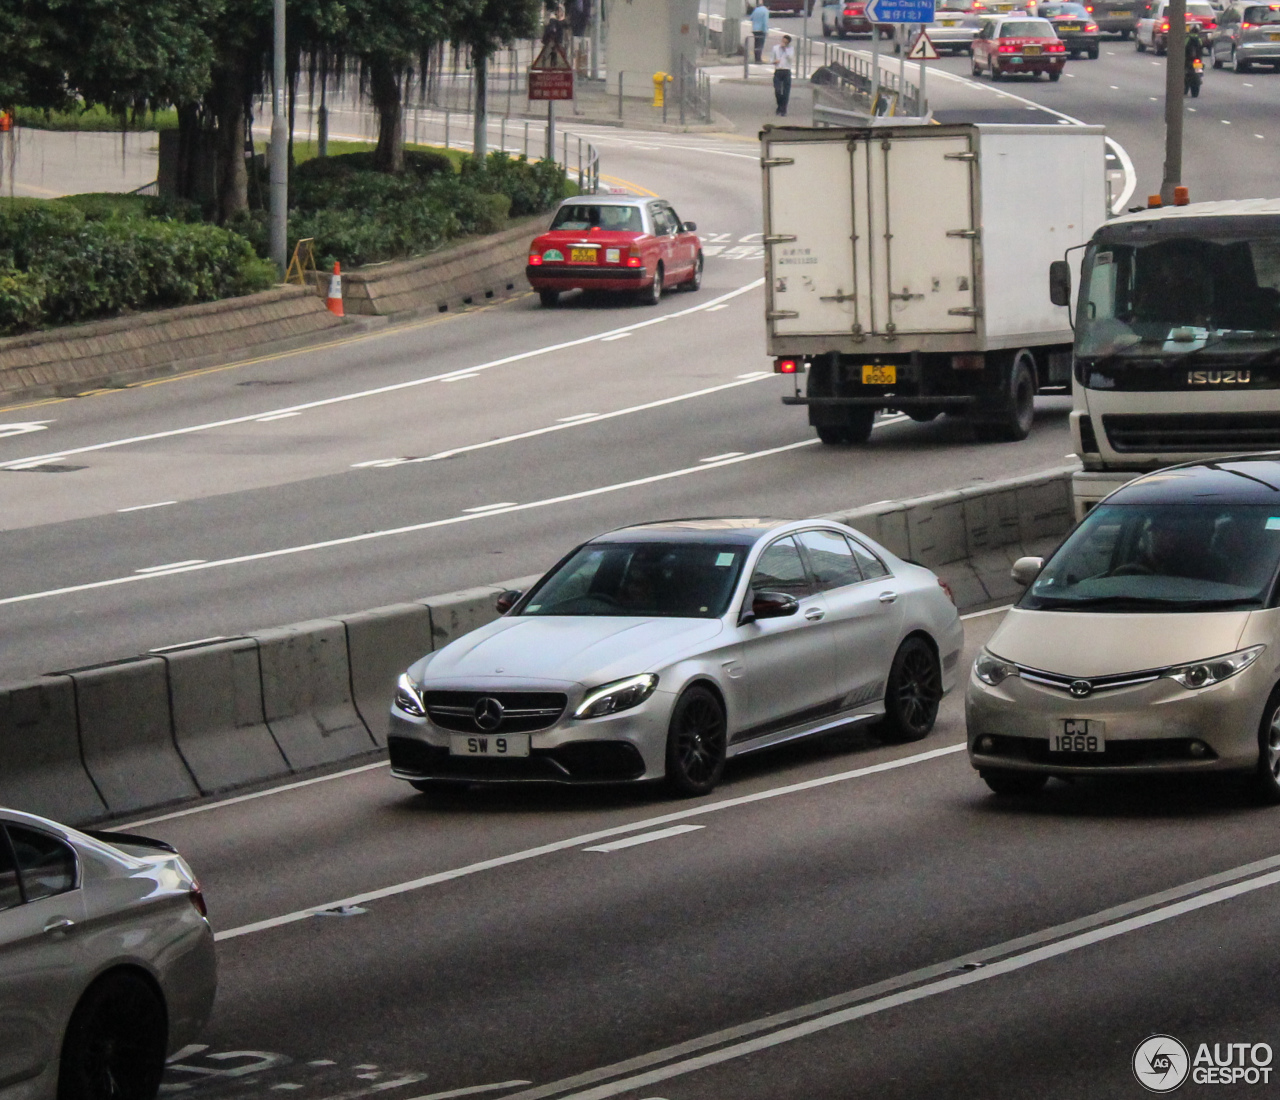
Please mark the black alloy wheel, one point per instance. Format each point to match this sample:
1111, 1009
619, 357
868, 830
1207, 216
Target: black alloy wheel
548, 298
694, 281
116, 1041
1267, 778
652, 294
1012, 784
913, 693
697, 740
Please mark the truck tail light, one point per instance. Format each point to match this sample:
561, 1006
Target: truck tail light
535, 259
786, 366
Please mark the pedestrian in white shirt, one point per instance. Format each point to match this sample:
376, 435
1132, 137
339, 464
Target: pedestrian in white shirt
784, 58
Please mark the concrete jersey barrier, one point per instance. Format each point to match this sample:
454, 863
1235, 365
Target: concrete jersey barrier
139, 734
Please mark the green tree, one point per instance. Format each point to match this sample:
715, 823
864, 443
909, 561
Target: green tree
485, 27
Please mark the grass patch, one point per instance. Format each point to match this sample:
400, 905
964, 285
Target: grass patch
96, 119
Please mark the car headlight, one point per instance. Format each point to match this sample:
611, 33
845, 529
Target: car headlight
1215, 669
990, 669
619, 695
408, 699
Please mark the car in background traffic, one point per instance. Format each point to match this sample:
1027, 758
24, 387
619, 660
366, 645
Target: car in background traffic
106, 961
615, 243
953, 29
1149, 643
789, 7
849, 17
658, 651
992, 8
1114, 16
1152, 30
1248, 34
1018, 46
1073, 24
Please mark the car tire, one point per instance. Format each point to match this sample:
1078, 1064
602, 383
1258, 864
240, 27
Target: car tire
1238, 66
1012, 422
1124, 36
912, 693
1011, 784
1217, 61
1267, 776
652, 294
975, 67
995, 72
1074, 55
1158, 47
854, 428
1093, 54
1055, 77
548, 298
694, 281
697, 741
1138, 44
116, 1041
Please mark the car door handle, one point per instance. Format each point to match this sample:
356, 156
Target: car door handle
888, 597
814, 614
59, 924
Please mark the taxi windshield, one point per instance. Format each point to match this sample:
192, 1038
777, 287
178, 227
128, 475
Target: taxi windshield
1165, 557
669, 580
1180, 291
593, 215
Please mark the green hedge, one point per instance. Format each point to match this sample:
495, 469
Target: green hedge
58, 266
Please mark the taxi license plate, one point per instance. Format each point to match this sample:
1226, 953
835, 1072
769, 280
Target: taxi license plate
1030, 51
582, 255
1078, 735
950, 22
1274, 37
873, 375
1069, 27
1121, 14
486, 744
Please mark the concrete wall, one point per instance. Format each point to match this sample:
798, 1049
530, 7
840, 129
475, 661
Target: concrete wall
152, 731
649, 36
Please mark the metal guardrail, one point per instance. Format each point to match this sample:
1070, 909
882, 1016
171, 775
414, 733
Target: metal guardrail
853, 74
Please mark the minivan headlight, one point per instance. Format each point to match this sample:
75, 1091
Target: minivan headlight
990, 669
1216, 669
408, 698
616, 696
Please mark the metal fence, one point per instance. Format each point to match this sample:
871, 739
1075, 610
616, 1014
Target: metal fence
852, 73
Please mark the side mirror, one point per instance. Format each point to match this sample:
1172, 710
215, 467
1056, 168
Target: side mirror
1060, 283
770, 605
507, 600
1025, 570
688, 227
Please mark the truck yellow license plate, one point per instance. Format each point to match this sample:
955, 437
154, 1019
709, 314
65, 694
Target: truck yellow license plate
582, 255
874, 375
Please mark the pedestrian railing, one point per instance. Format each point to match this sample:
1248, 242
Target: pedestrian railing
853, 73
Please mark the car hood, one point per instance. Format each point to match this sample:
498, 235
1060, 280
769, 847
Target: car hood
585, 649
1076, 643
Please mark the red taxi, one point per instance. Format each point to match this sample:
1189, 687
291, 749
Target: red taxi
1016, 44
619, 243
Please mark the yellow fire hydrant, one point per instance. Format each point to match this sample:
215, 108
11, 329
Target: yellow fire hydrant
659, 91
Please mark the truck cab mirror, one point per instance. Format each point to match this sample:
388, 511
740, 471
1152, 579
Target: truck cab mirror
1025, 570
1060, 283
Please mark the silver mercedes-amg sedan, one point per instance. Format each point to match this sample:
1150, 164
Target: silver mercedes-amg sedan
658, 651
106, 961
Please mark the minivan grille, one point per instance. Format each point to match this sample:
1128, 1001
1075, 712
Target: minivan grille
1188, 433
495, 711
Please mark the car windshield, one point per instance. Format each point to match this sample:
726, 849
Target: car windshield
1166, 557
691, 580
593, 215
1027, 28
1178, 294
1262, 15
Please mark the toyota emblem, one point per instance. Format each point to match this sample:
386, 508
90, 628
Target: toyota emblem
487, 714
1078, 688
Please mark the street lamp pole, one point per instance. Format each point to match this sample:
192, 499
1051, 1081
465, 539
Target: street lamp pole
1174, 90
280, 150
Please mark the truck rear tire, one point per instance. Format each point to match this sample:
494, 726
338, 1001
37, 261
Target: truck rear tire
1011, 421
854, 426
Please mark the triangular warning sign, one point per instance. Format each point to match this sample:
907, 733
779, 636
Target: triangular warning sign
552, 56
922, 49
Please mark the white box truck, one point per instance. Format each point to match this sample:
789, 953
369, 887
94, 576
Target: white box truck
905, 268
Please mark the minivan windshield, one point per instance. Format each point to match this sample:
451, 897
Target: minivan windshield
675, 580
1184, 292
1163, 557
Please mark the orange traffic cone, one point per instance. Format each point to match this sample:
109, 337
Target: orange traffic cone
334, 300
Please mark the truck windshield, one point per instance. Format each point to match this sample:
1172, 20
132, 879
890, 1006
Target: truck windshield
1165, 557
1178, 294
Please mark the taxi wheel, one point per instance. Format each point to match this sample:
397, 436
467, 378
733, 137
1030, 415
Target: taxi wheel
913, 692
697, 740
996, 74
1011, 784
694, 281
1268, 774
652, 294
548, 298
116, 1041
977, 69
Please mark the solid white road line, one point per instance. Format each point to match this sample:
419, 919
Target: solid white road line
632, 841
171, 566
380, 390
276, 416
490, 507
587, 838
474, 1090
414, 528
144, 507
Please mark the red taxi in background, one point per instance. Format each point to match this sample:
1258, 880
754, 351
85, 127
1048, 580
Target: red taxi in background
615, 242
1016, 44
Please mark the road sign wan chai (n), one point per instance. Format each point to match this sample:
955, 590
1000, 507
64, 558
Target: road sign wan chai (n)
922, 49
551, 75
900, 11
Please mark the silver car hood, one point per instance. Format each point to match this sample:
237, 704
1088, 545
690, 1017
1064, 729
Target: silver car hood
585, 649
1077, 643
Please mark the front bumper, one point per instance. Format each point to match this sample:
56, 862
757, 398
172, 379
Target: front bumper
1149, 727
